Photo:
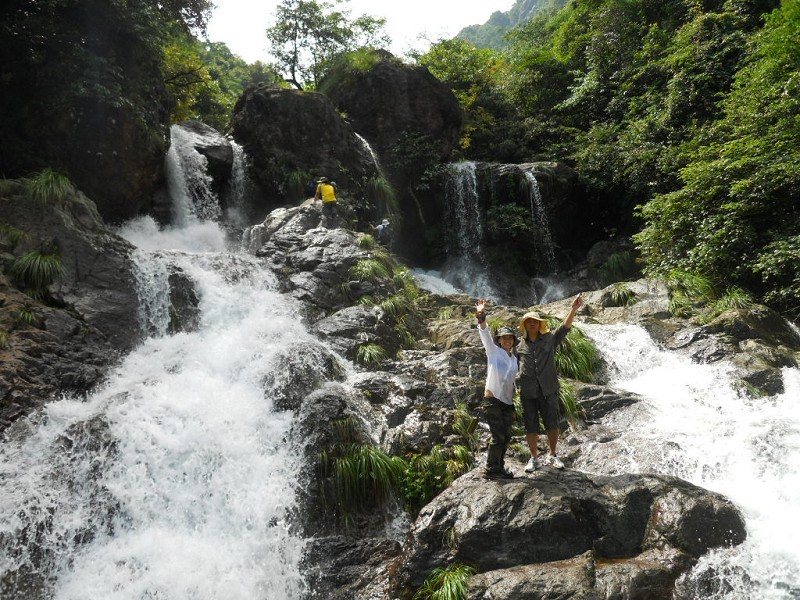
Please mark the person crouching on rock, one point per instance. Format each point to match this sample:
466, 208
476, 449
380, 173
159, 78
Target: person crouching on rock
498, 396
538, 382
326, 192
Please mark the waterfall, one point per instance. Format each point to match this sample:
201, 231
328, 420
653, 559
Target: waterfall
175, 480
695, 423
540, 221
238, 188
372, 154
187, 180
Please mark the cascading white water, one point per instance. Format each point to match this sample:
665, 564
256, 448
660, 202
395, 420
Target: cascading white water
539, 214
187, 180
371, 152
697, 425
238, 188
465, 267
432, 281
176, 480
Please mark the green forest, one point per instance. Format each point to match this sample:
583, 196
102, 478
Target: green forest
684, 115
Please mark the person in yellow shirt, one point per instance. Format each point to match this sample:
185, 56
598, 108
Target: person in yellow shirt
327, 194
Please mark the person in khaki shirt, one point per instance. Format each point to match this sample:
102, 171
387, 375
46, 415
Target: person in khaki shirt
538, 382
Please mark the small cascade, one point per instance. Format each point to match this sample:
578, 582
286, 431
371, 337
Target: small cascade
466, 266
695, 423
540, 221
188, 182
372, 153
152, 288
238, 188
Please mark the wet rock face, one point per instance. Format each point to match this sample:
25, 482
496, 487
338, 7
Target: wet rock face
216, 148
555, 516
392, 98
286, 132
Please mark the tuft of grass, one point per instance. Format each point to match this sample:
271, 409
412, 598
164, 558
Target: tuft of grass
27, 316
618, 265
396, 305
49, 187
446, 313
518, 426
12, 235
370, 354
577, 356
369, 269
36, 270
295, 183
569, 402
404, 335
361, 476
495, 323
688, 290
382, 195
4, 339
446, 584
465, 425
733, 298
622, 295
366, 241
366, 301
404, 281
428, 474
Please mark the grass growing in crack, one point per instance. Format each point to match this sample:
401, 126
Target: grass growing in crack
370, 354
688, 291
569, 403
446, 584
369, 269
4, 339
622, 295
12, 235
49, 187
428, 474
446, 313
577, 356
26, 316
36, 270
465, 425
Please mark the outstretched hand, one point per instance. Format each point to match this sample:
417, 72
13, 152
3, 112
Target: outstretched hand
480, 306
578, 302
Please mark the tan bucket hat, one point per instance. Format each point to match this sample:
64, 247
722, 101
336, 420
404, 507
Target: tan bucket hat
543, 327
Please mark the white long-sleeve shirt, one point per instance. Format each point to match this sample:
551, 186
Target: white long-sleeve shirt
501, 368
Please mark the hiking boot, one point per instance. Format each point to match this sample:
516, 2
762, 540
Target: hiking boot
555, 462
531, 466
499, 474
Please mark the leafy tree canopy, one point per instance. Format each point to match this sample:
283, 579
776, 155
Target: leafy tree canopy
308, 34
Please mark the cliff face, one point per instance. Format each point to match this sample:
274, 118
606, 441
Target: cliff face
492, 33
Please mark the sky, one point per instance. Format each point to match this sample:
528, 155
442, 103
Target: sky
241, 23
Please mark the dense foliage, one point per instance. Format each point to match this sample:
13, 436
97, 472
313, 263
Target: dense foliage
687, 109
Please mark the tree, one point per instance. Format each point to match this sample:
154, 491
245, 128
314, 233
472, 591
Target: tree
307, 34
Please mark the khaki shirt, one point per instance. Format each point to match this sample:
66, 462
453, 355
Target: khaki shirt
537, 364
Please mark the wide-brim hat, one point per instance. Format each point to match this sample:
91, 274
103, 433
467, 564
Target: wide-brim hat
543, 327
323, 180
505, 331
385, 222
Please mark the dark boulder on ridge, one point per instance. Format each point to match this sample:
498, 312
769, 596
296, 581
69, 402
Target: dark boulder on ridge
292, 137
385, 98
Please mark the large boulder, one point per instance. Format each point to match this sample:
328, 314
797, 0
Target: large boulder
390, 98
292, 137
558, 515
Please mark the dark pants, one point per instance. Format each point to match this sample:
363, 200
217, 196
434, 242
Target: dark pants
500, 417
329, 214
545, 408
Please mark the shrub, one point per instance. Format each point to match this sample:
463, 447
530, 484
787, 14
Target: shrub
36, 270
49, 187
370, 354
428, 474
446, 584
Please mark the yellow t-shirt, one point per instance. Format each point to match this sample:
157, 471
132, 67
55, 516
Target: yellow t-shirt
326, 192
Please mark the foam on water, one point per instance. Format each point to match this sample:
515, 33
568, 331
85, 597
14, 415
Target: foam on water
697, 425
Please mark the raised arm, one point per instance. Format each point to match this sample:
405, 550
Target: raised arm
576, 304
484, 332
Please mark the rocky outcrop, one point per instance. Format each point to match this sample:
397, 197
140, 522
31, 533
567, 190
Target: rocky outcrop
64, 340
216, 148
556, 516
389, 99
292, 137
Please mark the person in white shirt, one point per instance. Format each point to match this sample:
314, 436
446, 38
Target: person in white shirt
498, 401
